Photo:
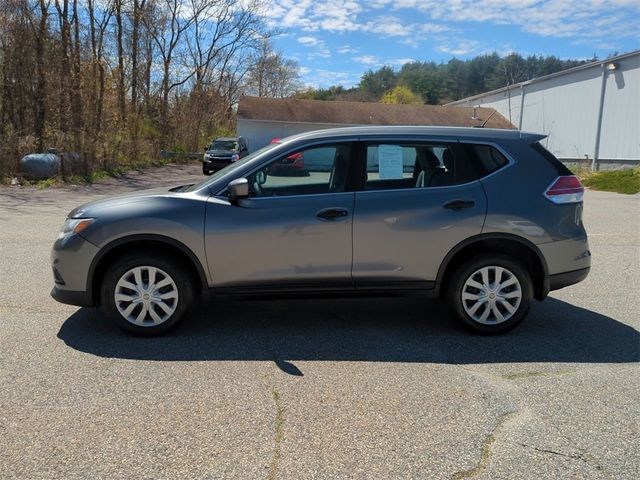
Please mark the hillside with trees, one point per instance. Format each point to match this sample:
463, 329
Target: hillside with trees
438, 83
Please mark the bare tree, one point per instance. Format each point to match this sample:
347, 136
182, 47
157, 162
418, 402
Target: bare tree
221, 42
99, 20
174, 18
76, 81
138, 9
39, 29
272, 75
120, 48
63, 81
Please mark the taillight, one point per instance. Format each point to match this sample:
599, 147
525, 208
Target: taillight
566, 189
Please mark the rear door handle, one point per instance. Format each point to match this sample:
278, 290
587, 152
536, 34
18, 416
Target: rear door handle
329, 214
459, 204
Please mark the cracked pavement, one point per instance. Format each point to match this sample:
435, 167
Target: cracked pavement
316, 388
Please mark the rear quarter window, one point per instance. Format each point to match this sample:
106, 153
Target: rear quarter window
549, 157
488, 159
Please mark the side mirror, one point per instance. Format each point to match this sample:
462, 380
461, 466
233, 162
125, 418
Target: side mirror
238, 189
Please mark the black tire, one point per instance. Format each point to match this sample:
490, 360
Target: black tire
205, 171
460, 276
181, 281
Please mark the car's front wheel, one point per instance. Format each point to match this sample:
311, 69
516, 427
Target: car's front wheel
146, 295
490, 293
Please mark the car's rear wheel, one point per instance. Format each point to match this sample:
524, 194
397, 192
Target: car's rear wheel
490, 293
146, 295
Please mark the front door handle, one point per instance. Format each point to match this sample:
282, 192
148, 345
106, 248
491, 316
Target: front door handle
459, 204
329, 214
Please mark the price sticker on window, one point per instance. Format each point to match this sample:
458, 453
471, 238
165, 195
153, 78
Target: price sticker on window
390, 162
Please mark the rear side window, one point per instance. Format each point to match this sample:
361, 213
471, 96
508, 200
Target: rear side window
549, 157
406, 165
488, 158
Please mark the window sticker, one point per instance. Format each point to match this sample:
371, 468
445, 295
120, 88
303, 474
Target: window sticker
390, 161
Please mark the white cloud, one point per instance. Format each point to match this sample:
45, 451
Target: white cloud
319, 48
367, 59
556, 18
460, 47
322, 78
308, 41
597, 19
400, 61
344, 49
389, 26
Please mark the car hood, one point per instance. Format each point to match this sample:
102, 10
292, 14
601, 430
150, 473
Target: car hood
92, 209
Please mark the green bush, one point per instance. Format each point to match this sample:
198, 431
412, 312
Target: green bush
620, 181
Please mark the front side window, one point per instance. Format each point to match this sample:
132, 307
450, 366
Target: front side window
314, 170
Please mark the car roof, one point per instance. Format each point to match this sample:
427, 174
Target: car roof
402, 130
226, 139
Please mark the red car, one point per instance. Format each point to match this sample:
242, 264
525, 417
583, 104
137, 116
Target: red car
293, 165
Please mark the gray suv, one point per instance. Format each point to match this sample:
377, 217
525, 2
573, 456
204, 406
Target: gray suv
485, 219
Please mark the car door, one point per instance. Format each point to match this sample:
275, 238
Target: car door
418, 199
293, 231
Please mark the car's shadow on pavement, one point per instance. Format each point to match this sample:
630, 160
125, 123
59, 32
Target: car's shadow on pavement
377, 330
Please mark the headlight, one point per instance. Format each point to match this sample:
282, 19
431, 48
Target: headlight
235, 157
74, 225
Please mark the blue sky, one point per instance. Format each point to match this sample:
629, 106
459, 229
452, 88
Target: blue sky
335, 41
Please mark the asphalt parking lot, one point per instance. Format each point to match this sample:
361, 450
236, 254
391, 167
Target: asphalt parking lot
297, 389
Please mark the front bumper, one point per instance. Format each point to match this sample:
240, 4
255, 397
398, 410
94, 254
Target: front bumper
71, 259
69, 297
215, 163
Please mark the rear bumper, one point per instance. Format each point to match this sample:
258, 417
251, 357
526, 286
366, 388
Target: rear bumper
70, 297
561, 280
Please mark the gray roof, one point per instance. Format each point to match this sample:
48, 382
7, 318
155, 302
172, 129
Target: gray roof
292, 110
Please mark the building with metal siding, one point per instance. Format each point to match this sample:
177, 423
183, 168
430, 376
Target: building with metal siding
591, 113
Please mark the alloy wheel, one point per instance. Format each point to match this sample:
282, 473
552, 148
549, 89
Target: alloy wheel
146, 296
491, 295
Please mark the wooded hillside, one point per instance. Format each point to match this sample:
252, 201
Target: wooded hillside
439, 83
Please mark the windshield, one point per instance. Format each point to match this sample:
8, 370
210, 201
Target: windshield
224, 145
230, 168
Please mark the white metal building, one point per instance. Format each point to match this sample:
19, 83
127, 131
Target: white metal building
590, 112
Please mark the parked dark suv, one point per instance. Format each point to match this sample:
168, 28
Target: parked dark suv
222, 152
485, 219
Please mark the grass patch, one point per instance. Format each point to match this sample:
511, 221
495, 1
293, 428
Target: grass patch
620, 181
